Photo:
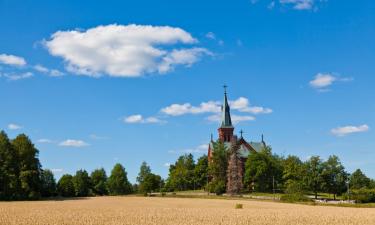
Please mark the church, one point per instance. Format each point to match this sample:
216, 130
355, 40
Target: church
239, 149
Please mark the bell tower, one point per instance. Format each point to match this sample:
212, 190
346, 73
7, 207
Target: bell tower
226, 129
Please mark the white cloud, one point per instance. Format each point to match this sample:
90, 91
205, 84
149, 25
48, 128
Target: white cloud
235, 118
201, 149
50, 72
241, 104
346, 130
211, 35
167, 164
12, 60
20, 76
124, 50
44, 140
140, 119
73, 143
57, 170
13, 126
187, 108
97, 137
299, 4
324, 80
294, 4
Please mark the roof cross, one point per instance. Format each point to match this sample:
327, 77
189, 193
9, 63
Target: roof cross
225, 88
241, 132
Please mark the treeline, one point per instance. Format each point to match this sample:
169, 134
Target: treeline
265, 171
22, 176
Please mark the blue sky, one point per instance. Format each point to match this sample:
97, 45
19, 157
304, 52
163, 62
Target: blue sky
95, 83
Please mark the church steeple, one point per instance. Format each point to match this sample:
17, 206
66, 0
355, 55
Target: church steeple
226, 128
226, 121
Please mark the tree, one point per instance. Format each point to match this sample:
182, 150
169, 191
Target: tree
218, 168
65, 186
294, 173
151, 183
48, 183
200, 172
118, 183
9, 169
29, 166
334, 176
81, 183
181, 174
143, 172
359, 180
314, 179
99, 182
234, 172
263, 170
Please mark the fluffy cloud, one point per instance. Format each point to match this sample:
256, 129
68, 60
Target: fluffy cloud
241, 104
12, 60
201, 149
73, 143
13, 126
187, 108
294, 4
44, 140
124, 51
346, 130
18, 76
324, 80
50, 72
235, 118
57, 170
140, 119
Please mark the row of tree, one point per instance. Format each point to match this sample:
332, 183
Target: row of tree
266, 172
22, 177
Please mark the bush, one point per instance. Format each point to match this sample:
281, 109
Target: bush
295, 193
217, 187
296, 197
238, 206
363, 195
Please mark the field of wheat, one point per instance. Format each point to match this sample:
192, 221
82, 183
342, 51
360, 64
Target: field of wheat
175, 211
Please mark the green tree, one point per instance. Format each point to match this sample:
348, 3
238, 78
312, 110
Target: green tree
263, 171
48, 183
359, 180
217, 168
65, 186
181, 174
9, 169
99, 182
294, 172
313, 178
200, 172
81, 183
151, 183
118, 183
29, 166
143, 172
334, 176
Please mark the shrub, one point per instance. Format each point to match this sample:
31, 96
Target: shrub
238, 206
295, 193
363, 195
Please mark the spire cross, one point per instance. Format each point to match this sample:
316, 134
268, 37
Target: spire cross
241, 132
225, 88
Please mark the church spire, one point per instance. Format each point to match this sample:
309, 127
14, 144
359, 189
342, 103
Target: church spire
226, 121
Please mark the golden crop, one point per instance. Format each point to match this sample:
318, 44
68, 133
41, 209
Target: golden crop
175, 211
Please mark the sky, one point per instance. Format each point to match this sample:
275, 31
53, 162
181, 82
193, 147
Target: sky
94, 83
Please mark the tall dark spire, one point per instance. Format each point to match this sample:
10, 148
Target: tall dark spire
226, 121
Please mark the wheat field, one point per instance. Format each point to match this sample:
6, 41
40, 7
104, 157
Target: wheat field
175, 211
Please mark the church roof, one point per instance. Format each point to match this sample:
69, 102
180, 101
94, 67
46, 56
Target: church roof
245, 147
